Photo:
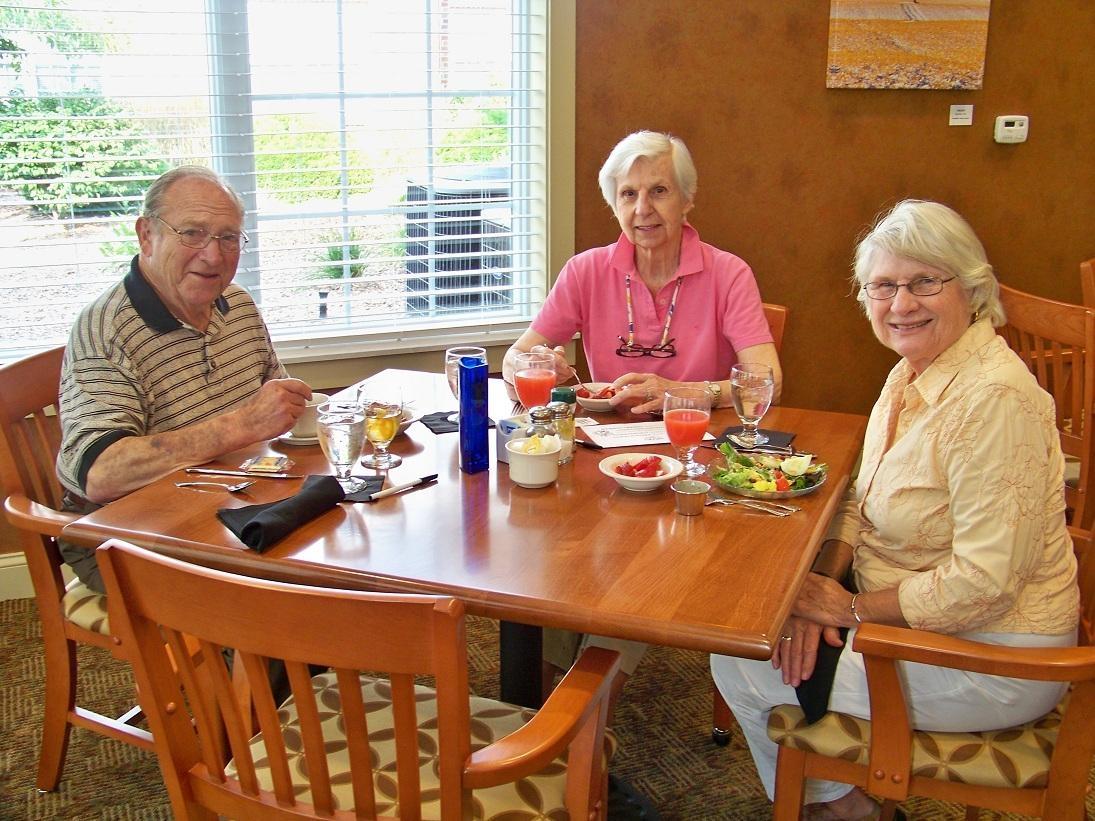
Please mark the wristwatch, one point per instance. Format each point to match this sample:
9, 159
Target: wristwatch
715, 389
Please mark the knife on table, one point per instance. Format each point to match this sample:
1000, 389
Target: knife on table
380, 494
248, 474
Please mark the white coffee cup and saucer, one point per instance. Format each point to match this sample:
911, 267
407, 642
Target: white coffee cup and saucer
304, 431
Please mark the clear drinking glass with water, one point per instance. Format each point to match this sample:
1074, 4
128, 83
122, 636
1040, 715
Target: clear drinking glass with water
751, 387
452, 369
341, 429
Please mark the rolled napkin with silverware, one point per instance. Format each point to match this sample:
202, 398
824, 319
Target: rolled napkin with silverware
262, 526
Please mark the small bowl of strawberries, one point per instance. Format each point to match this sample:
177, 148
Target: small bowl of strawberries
641, 472
594, 396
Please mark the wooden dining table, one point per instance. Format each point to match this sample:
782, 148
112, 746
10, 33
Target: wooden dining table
582, 554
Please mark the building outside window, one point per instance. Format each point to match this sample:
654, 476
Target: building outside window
391, 155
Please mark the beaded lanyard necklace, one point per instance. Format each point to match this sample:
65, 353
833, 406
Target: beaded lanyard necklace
666, 341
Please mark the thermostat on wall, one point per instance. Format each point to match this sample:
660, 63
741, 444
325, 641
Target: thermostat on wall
1011, 128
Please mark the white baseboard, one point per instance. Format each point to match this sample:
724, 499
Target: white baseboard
15, 580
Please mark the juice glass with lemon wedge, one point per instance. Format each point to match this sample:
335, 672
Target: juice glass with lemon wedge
382, 417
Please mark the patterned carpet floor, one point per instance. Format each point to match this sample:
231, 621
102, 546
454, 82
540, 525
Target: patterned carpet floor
663, 722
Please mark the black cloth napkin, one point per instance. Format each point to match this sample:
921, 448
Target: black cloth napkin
813, 693
439, 422
776, 438
260, 527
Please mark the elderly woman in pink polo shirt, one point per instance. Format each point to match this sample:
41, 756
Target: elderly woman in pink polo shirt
658, 308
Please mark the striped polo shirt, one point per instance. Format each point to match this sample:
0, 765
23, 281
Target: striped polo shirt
132, 368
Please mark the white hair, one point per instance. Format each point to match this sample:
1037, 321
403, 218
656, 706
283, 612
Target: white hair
647, 145
936, 236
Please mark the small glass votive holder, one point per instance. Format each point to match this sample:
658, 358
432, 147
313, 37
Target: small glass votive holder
690, 496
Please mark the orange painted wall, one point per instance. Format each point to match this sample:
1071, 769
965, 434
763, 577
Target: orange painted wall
791, 173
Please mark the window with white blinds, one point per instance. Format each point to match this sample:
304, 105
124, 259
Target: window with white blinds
391, 155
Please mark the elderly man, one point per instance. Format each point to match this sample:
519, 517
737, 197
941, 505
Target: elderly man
173, 365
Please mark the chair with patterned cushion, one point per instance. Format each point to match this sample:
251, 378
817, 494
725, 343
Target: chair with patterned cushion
721, 717
70, 614
1039, 769
347, 743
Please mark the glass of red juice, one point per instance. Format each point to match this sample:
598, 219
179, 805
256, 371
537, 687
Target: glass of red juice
687, 412
534, 378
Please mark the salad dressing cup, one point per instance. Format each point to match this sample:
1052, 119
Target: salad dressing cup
690, 496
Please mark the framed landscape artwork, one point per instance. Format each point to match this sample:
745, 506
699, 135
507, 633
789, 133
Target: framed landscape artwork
933, 44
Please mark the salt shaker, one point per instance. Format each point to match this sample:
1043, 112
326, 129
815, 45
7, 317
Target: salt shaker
540, 423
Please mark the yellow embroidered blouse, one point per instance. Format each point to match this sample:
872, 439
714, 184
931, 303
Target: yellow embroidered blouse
960, 496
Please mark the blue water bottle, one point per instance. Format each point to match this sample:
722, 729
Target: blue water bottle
474, 445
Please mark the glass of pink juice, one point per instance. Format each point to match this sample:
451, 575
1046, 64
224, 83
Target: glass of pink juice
686, 412
534, 378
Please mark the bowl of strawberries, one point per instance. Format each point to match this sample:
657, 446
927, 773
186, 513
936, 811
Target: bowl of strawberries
594, 396
641, 472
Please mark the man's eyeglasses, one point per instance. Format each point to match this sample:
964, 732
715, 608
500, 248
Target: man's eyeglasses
657, 351
200, 238
921, 286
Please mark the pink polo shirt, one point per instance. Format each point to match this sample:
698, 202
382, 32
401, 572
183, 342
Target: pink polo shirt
718, 311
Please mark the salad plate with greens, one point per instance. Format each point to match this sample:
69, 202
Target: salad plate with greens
765, 475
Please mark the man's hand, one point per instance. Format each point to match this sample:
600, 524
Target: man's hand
274, 409
797, 656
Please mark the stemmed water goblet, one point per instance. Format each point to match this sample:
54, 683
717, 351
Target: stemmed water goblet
452, 370
686, 413
383, 410
341, 429
534, 377
751, 387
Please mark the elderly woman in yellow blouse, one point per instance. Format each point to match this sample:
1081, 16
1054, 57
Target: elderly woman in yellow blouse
957, 520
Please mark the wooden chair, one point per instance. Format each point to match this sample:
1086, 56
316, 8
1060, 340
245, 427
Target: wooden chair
721, 717
29, 440
345, 742
1057, 342
777, 321
1087, 282
1039, 769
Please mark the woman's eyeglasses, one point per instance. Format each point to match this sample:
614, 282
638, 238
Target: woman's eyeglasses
663, 351
921, 286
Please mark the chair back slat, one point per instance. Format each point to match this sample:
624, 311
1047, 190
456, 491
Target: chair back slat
269, 724
403, 636
29, 427
311, 735
1085, 572
1056, 340
357, 740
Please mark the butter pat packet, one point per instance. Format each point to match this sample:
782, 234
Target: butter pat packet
267, 464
